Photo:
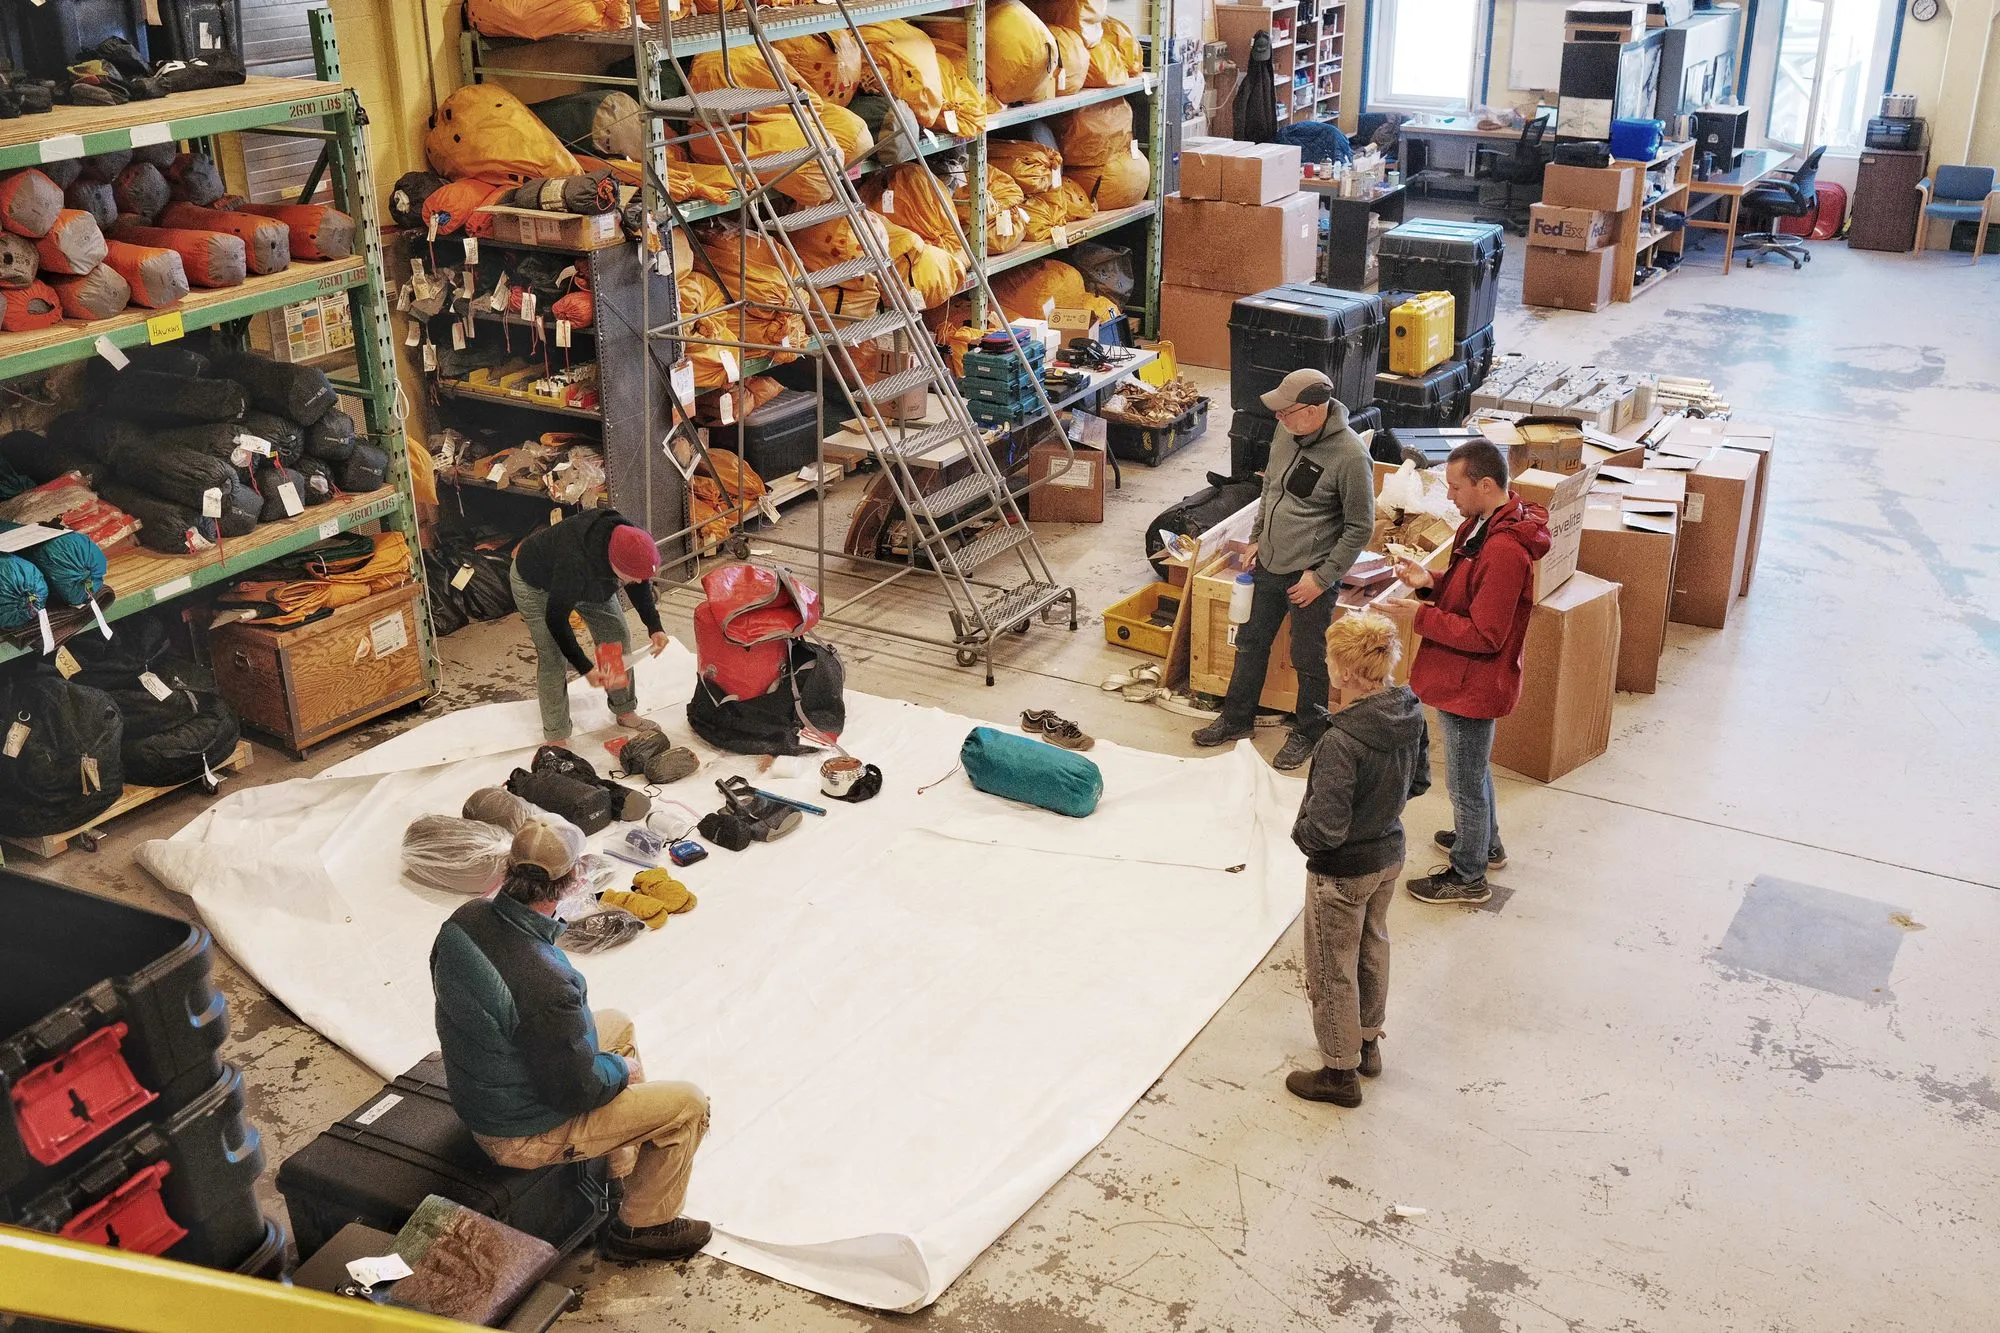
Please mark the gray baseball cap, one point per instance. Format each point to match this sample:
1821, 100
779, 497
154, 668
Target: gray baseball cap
1301, 386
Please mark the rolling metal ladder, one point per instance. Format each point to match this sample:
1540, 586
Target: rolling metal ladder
970, 533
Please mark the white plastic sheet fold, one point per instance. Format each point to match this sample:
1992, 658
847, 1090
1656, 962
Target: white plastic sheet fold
912, 1016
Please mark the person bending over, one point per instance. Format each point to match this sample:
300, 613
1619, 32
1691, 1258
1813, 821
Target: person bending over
1316, 514
1374, 756
538, 1078
579, 565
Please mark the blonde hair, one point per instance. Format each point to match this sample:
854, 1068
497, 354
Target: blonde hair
1364, 646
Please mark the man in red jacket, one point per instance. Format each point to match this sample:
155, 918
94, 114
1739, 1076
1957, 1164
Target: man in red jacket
1473, 622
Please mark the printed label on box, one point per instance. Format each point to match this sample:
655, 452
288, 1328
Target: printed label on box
388, 635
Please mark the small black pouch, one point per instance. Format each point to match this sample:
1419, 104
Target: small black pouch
1303, 479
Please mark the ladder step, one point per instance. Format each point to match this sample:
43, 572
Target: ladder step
1010, 608
898, 384
812, 217
726, 102
862, 330
990, 545
920, 442
821, 278
948, 500
778, 163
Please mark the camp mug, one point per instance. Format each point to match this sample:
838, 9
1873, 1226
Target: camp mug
838, 775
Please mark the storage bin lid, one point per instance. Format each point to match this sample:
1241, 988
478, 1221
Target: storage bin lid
1433, 238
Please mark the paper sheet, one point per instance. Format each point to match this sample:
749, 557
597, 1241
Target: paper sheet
912, 1017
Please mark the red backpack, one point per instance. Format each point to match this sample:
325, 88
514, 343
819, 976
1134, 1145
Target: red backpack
745, 625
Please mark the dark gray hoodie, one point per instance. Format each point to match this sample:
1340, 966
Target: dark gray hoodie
1374, 757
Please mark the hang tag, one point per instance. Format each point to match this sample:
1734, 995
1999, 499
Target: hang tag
430, 356
528, 306
683, 382
563, 328
93, 780
288, 496
17, 736
154, 686
730, 371
726, 409
888, 201
209, 773
386, 1268
330, 528
416, 268
463, 577
211, 502
109, 351
48, 635
1060, 235
255, 444
950, 122
457, 336
663, 264
555, 516
472, 249
1135, 149
403, 298
415, 336
1055, 178
1062, 79
567, 275
97, 614
465, 286
431, 232
1004, 224
499, 298
497, 473
66, 663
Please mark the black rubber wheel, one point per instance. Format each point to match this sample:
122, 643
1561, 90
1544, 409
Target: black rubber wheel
968, 657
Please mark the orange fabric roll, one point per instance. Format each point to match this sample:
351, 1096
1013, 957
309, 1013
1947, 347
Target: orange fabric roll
267, 243
73, 246
156, 276
98, 294
319, 231
209, 258
31, 307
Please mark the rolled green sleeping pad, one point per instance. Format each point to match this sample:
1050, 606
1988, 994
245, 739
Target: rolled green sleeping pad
1032, 771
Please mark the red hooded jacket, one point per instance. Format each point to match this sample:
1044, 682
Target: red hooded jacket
1476, 623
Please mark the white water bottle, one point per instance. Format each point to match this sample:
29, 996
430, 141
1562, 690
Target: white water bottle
1240, 598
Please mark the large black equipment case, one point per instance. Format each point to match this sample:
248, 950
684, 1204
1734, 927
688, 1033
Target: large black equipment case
1440, 396
1475, 349
406, 1143
1303, 326
46, 39
1426, 446
1250, 435
779, 437
1463, 258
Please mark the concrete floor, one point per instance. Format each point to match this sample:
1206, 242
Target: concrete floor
1724, 1060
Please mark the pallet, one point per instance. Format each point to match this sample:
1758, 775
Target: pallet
53, 845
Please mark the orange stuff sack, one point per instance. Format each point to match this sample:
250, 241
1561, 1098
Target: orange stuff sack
34, 306
210, 258
1108, 68
1086, 17
1021, 54
1006, 219
829, 62
1035, 167
536, 19
966, 104
1073, 59
485, 131
319, 231
98, 294
1033, 291
1093, 136
454, 205
156, 276
579, 308
1120, 35
909, 63
267, 243
911, 197
29, 203
1119, 183
73, 246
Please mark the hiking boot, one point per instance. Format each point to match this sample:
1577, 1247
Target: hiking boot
1442, 886
1219, 732
1298, 748
1371, 1058
681, 1238
1496, 856
1338, 1086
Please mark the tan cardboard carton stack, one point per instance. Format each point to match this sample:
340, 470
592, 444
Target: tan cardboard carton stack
1573, 237
1631, 533
1569, 667
1239, 225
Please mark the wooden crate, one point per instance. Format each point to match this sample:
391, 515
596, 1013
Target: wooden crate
305, 684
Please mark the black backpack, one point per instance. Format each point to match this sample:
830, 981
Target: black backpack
809, 693
166, 742
67, 769
1197, 513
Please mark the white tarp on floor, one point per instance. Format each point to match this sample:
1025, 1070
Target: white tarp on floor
912, 1016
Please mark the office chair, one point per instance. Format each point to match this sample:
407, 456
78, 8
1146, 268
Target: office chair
1957, 194
1796, 195
1525, 167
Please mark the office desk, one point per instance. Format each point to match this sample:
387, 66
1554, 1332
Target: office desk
1757, 166
1348, 222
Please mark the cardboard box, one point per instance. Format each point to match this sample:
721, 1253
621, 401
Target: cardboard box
1715, 538
1640, 559
1241, 248
1261, 173
1564, 497
1075, 496
568, 231
1544, 446
1555, 227
1607, 188
1569, 668
1197, 323
1201, 167
1749, 439
1569, 279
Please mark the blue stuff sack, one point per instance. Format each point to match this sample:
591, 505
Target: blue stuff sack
73, 566
23, 592
1031, 771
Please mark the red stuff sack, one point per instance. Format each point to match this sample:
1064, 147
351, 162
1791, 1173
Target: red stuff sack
210, 258
745, 624
73, 246
156, 276
98, 294
31, 307
318, 231
268, 244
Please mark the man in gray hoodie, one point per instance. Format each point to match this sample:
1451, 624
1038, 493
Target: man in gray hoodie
1316, 515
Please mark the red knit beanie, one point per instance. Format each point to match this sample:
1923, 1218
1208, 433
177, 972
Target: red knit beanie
634, 556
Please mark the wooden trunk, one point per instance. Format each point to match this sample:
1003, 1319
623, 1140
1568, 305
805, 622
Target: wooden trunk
309, 682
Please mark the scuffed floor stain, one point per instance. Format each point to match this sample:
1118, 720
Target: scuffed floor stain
1972, 1100
1354, 1288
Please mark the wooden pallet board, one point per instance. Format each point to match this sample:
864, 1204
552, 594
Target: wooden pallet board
55, 844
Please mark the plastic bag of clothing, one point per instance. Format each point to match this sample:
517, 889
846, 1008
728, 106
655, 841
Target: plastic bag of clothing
456, 855
267, 242
908, 61
600, 931
35, 306
72, 567
94, 198
73, 245
1021, 53
24, 593
1072, 59
68, 771
1035, 167
1033, 290
141, 189
29, 203
156, 277
829, 62
209, 258
497, 805
302, 393
316, 231
1119, 183
484, 131
1085, 17
1092, 136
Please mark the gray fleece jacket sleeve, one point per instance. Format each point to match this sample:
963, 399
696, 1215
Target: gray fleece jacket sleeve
1357, 519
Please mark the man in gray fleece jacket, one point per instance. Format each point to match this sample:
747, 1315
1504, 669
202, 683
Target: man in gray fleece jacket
1315, 517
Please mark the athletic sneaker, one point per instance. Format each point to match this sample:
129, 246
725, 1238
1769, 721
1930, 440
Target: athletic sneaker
1338, 1086
1298, 748
1441, 886
681, 1238
1219, 732
1496, 855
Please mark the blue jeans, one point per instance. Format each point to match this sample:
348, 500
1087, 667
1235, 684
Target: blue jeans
606, 623
1468, 777
1268, 608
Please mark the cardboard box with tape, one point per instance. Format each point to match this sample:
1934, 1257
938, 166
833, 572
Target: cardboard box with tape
1715, 538
1221, 246
1631, 541
1569, 668
1564, 497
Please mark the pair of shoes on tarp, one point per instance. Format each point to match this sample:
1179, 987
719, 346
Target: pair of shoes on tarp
1055, 730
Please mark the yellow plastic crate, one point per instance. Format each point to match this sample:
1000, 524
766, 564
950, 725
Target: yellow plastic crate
1420, 333
1128, 622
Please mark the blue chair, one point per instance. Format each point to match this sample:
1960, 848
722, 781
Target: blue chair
1958, 194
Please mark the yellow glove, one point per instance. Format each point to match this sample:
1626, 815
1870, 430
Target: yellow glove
649, 910
661, 886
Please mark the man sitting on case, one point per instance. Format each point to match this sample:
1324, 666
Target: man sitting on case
1316, 515
538, 1078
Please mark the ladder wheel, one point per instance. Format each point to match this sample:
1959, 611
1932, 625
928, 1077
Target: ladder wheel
968, 657
1019, 628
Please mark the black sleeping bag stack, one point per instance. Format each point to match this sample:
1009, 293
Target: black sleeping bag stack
69, 767
176, 728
